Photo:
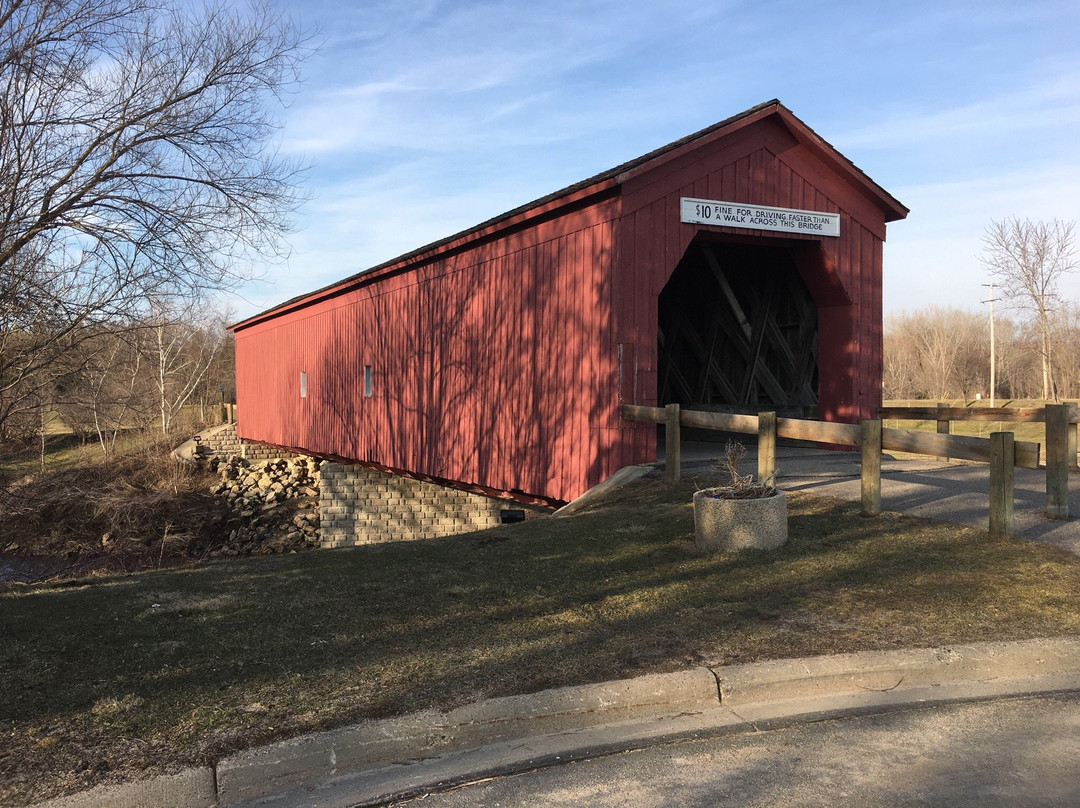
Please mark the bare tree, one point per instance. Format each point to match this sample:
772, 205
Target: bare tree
900, 360
939, 353
136, 163
1016, 360
1067, 362
935, 353
108, 388
182, 347
120, 379
1028, 259
219, 382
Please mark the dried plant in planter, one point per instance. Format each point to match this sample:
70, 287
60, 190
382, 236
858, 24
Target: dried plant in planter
741, 515
741, 486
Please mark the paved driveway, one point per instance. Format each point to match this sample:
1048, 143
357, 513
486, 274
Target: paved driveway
955, 491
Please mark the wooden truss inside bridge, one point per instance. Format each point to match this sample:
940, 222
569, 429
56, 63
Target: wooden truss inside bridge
738, 332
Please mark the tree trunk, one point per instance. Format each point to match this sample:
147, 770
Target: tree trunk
42, 408
1049, 390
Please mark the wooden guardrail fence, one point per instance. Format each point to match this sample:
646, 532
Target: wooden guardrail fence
1001, 450
1062, 427
944, 412
944, 415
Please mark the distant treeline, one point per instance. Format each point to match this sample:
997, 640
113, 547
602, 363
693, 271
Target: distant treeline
944, 353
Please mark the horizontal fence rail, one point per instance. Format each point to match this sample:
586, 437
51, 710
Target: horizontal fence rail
1025, 415
959, 447
1061, 421
1017, 415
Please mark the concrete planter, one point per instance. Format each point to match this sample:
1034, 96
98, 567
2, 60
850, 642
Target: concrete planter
738, 524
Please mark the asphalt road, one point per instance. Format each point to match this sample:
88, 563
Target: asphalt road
1012, 752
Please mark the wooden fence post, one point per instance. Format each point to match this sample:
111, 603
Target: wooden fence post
871, 467
1057, 461
1002, 457
766, 448
1072, 448
672, 447
942, 422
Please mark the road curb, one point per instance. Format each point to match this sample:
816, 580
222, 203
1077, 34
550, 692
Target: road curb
884, 671
622, 477
191, 788
312, 759
371, 762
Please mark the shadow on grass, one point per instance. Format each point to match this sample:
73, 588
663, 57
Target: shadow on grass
325, 638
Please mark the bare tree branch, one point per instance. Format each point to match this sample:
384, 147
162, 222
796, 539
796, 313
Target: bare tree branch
1029, 259
136, 163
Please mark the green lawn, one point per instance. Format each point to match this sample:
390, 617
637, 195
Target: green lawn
105, 677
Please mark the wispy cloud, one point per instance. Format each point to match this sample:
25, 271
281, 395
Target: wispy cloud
442, 79
934, 254
1042, 108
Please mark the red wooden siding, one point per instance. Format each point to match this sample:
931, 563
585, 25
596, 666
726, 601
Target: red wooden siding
484, 364
501, 356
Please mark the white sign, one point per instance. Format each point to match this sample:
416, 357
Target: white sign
759, 217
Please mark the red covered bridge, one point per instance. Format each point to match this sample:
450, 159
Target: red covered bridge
737, 269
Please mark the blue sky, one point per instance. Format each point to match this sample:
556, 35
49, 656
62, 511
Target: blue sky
423, 118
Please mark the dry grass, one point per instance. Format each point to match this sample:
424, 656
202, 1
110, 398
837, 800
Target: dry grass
137, 510
65, 450
177, 667
62, 450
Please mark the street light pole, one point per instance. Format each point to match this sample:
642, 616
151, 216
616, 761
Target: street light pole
993, 362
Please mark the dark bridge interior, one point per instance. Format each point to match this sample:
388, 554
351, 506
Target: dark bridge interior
738, 332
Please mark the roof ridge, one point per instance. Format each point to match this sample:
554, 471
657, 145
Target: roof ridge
611, 174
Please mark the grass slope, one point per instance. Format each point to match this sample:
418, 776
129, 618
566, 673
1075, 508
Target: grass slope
176, 667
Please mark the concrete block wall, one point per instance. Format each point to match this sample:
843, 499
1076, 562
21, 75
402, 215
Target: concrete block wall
358, 505
225, 442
